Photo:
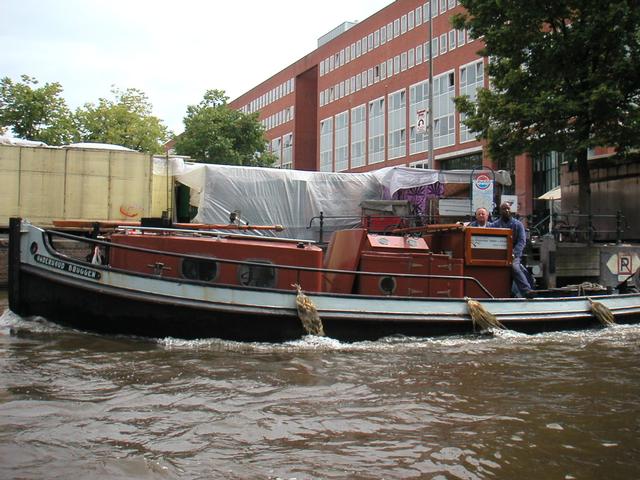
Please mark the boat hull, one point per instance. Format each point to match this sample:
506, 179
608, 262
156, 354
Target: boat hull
105, 300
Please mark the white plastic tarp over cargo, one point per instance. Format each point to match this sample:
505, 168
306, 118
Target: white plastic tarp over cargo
292, 198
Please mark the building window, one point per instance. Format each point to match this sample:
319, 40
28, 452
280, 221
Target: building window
276, 149
396, 28
418, 100
370, 42
418, 16
342, 142
443, 6
411, 20
383, 35
412, 58
376, 39
326, 145
443, 44
461, 163
434, 47
471, 80
358, 131
418, 54
376, 131
396, 64
403, 61
390, 67
443, 110
287, 151
397, 114
403, 24
461, 37
452, 39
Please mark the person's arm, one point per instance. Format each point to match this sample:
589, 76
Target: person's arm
520, 242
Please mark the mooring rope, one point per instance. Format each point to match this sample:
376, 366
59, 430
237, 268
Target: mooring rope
308, 314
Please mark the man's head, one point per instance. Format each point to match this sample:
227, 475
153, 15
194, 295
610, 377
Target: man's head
505, 211
482, 215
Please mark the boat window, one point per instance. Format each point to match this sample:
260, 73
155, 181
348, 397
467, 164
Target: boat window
257, 275
199, 269
387, 285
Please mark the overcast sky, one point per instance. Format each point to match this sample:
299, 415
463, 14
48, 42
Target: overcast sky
172, 50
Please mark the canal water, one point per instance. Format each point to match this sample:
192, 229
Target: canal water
509, 406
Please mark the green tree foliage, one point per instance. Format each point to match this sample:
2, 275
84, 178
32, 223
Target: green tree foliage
126, 121
215, 133
565, 76
35, 113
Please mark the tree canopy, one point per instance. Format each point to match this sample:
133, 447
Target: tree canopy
40, 113
126, 121
564, 77
215, 133
35, 112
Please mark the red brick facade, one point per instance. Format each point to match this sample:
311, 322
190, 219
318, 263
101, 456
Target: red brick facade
320, 88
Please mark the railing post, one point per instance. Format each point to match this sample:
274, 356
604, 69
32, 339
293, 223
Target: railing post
590, 228
619, 227
321, 226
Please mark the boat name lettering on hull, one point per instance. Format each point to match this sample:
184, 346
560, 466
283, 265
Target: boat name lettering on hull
67, 267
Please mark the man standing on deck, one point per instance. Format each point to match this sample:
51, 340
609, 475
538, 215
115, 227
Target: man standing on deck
482, 218
519, 238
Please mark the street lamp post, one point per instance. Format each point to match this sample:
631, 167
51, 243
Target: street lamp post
430, 160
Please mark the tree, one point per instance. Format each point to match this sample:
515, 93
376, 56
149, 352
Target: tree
215, 133
564, 77
126, 121
35, 113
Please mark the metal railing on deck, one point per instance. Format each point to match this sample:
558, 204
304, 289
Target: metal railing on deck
159, 266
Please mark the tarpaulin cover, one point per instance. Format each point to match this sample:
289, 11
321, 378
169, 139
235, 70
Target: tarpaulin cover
292, 198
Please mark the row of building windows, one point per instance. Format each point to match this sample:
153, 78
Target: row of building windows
393, 66
283, 116
391, 125
282, 148
269, 97
386, 33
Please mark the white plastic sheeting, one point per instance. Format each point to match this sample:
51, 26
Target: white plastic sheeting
292, 198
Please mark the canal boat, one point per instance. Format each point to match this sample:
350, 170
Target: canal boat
376, 280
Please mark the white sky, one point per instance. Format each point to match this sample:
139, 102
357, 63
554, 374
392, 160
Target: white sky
172, 50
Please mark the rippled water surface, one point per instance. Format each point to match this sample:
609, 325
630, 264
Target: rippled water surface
561, 406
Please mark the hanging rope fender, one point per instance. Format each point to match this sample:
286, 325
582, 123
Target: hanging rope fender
602, 313
482, 318
308, 314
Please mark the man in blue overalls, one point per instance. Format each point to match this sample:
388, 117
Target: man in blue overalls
519, 236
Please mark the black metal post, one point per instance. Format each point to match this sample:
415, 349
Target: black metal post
619, 227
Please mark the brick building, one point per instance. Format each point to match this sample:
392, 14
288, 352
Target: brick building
353, 103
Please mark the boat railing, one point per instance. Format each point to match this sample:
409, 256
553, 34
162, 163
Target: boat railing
299, 269
392, 222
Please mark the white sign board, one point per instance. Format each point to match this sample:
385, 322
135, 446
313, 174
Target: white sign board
482, 193
421, 121
489, 242
623, 264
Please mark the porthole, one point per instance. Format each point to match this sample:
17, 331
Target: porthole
387, 285
257, 275
33, 248
205, 270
